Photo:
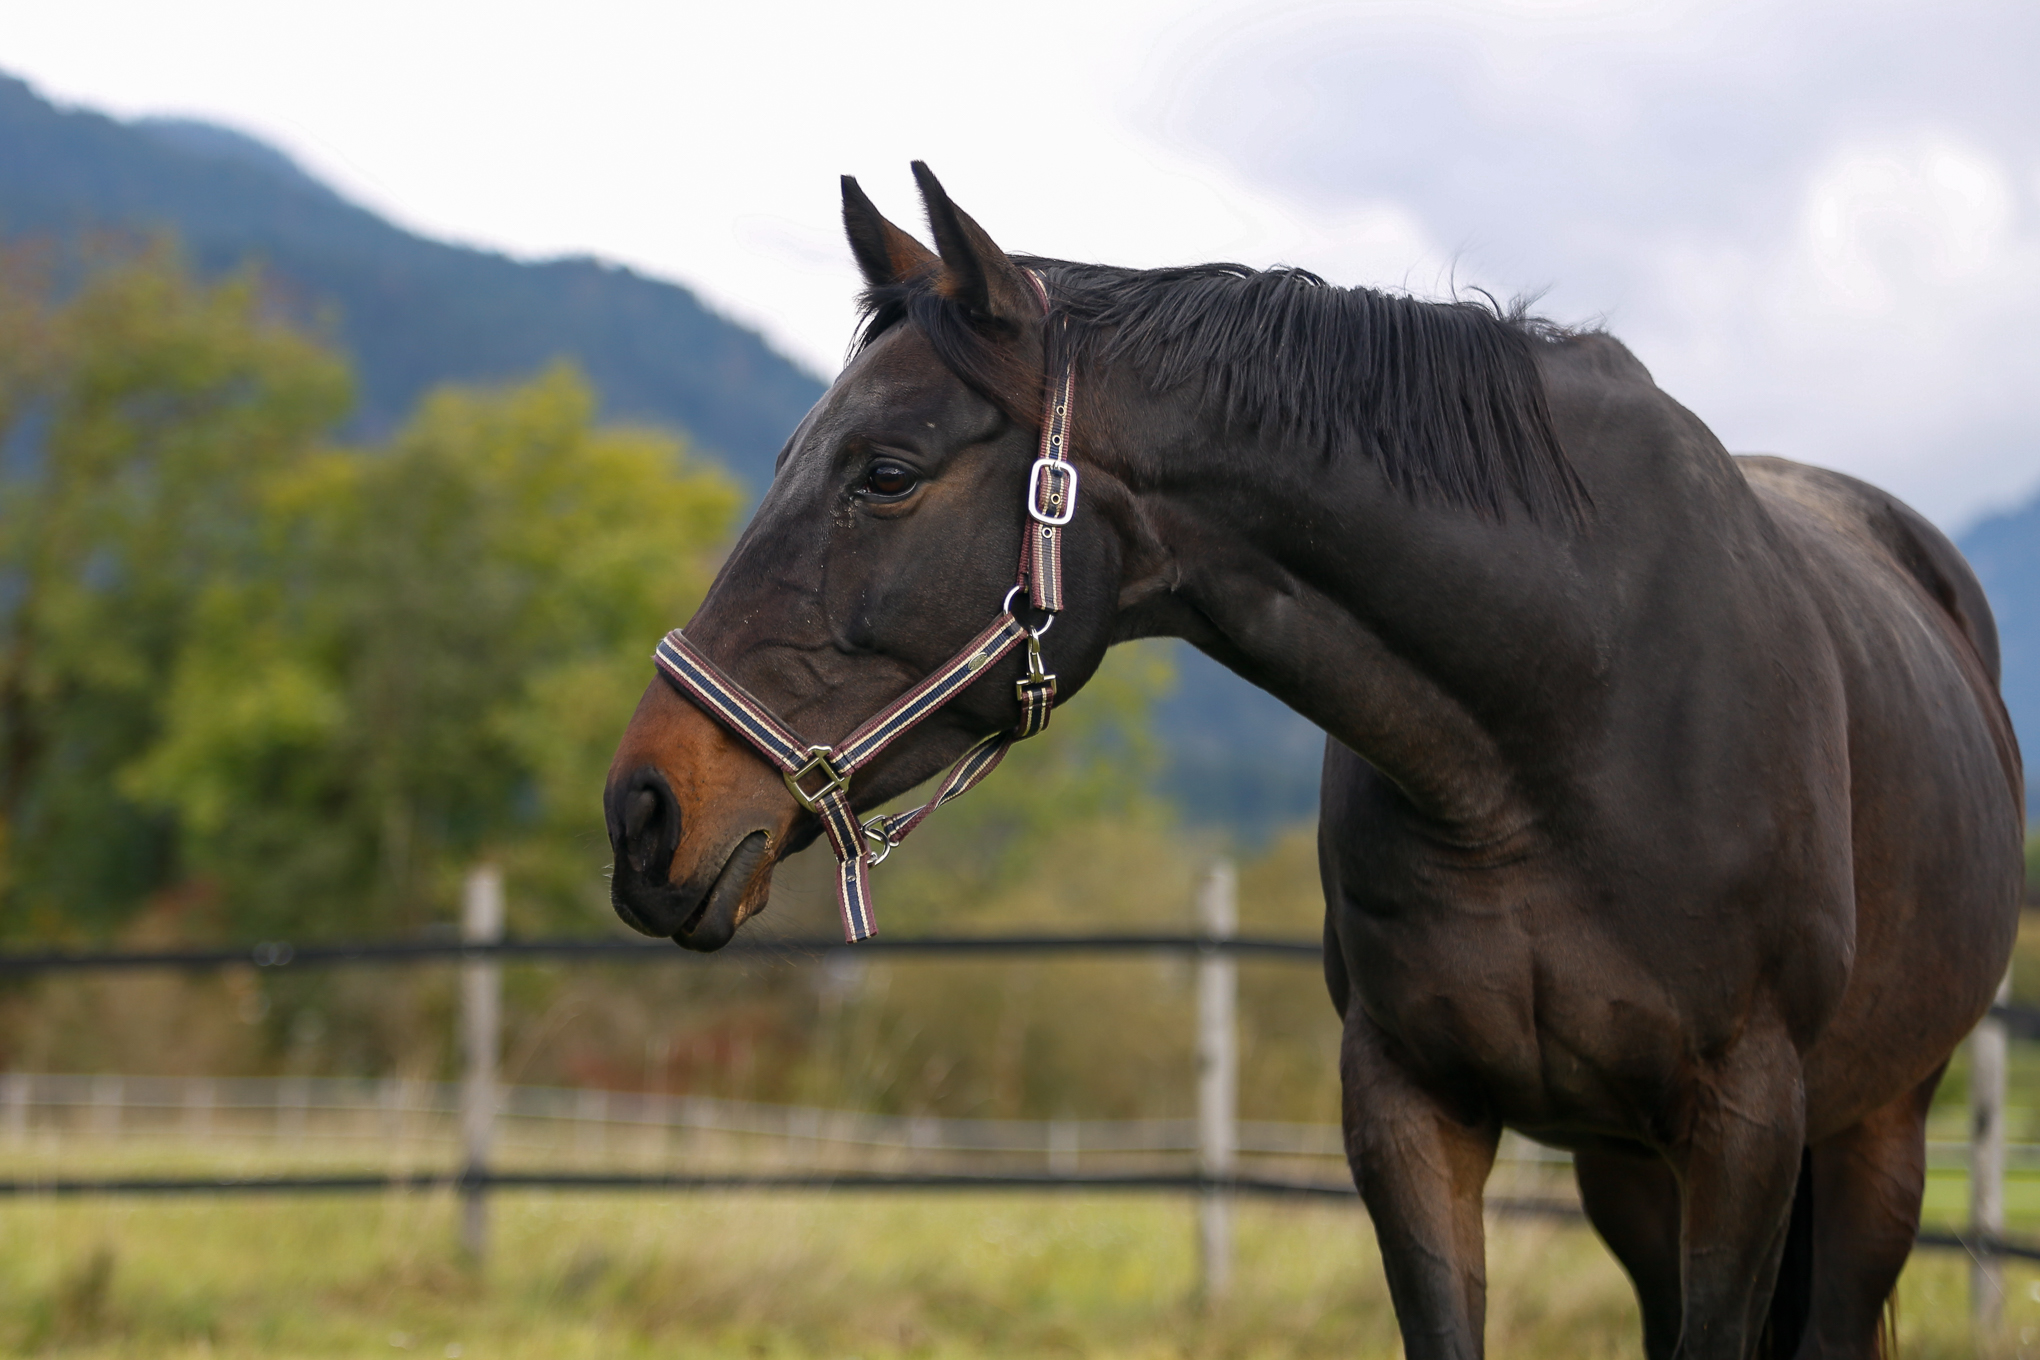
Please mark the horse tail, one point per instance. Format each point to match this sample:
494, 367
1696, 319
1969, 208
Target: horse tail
1792, 1297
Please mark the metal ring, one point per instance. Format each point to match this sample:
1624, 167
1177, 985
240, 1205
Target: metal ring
1006, 607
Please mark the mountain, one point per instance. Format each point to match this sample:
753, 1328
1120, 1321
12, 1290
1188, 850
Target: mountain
411, 312
2005, 551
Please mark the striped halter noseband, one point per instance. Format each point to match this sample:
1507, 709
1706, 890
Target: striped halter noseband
819, 776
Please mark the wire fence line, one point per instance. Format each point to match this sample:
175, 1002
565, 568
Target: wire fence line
283, 1109
111, 1105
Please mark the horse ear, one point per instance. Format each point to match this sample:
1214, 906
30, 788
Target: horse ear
975, 272
884, 252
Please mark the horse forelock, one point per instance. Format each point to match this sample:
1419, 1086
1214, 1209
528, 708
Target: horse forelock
1444, 397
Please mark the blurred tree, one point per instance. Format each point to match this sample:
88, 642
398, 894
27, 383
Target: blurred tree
1096, 764
432, 665
138, 418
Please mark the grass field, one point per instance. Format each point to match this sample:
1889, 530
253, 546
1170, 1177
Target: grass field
760, 1276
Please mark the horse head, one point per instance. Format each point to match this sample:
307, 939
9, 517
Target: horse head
887, 540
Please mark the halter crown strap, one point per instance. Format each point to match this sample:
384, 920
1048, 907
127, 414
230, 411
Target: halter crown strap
1052, 481
819, 776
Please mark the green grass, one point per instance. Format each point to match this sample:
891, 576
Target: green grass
760, 1276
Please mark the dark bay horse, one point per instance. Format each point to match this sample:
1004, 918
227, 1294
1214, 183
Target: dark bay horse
1670, 813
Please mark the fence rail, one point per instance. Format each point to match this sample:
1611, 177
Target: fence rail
281, 954
1215, 1136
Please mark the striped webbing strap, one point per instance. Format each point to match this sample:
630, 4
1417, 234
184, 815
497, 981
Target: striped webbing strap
1052, 481
819, 776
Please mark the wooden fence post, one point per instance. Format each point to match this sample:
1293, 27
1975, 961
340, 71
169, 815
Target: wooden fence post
481, 1007
1988, 1055
16, 1116
109, 1097
1217, 1080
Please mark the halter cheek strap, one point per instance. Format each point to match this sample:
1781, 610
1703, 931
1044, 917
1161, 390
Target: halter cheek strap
819, 776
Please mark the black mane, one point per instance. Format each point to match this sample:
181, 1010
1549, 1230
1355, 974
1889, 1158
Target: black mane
1444, 397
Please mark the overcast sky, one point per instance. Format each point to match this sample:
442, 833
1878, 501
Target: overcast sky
1818, 223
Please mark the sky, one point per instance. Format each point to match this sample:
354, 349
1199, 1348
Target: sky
1818, 223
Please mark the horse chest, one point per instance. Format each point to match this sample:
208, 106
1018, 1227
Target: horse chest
1548, 1026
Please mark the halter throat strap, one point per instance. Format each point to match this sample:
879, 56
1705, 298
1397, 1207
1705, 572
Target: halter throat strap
819, 776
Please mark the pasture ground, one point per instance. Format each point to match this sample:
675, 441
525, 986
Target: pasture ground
759, 1277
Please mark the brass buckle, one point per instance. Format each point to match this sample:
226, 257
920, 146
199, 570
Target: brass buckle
819, 758
1037, 676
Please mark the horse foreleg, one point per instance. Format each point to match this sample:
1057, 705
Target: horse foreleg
1738, 1163
1420, 1164
1867, 1183
1632, 1199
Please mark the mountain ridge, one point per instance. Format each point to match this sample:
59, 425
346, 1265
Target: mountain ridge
410, 311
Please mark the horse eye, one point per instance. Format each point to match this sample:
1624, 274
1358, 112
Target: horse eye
889, 480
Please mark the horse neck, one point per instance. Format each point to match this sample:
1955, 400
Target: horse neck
1437, 644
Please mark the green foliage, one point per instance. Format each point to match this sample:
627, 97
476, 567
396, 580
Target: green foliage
138, 418
306, 685
432, 664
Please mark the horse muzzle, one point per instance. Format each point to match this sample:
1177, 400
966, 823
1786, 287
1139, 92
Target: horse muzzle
696, 826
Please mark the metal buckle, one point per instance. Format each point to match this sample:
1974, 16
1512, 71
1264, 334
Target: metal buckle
819, 758
1037, 676
1067, 495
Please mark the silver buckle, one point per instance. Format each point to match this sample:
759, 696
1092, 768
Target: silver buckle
819, 758
1067, 495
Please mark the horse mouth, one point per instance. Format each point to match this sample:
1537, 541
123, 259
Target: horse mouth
714, 922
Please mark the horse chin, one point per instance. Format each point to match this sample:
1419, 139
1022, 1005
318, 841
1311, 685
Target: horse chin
737, 894
697, 912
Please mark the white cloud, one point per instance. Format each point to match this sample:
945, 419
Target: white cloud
1883, 224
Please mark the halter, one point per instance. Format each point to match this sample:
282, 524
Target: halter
819, 776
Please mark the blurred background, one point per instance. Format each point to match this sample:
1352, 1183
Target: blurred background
378, 382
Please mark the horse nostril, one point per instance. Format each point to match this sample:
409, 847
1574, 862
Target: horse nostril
650, 824
637, 814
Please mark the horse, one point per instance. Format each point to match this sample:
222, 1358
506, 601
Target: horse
1670, 814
